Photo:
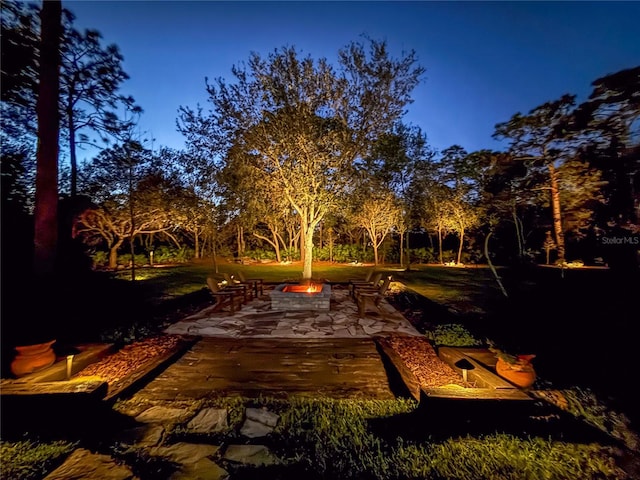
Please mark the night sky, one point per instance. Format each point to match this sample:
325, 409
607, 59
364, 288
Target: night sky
484, 61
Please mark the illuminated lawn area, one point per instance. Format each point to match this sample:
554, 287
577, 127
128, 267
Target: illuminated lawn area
323, 438
557, 317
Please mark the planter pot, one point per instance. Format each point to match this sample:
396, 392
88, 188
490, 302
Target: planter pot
32, 358
521, 373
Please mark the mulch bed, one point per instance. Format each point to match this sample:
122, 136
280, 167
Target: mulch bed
132, 362
423, 362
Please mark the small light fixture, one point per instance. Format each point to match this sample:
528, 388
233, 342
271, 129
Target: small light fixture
69, 366
465, 365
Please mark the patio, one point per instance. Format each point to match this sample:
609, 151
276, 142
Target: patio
256, 319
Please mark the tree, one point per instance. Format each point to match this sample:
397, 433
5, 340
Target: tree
539, 139
610, 121
435, 212
19, 50
394, 160
306, 124
464, 216
46, 201
378, 212
90, 80
612, 109
131, 196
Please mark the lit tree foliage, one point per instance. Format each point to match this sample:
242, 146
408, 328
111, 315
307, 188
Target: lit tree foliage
305, 123
378, 212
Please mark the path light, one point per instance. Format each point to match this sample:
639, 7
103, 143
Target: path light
465, 365
69, 366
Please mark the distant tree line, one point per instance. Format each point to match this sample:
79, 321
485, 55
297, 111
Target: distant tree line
301, 159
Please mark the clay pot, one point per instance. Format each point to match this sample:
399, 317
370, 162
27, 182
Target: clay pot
520, 373
31, 358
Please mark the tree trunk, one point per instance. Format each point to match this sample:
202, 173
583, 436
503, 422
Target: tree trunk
440, 245
276, 246
196, 242
461, 243
303, 242
307, 250
518, 234
557, 216
240, 240
113, 256
408, 253
401, 249
493, 269
330, 245
375, 252
73, 159
46, 198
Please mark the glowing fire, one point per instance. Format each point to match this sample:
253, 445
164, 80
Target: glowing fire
310, 288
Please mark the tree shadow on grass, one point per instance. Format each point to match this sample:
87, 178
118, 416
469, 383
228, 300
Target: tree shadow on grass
441, 419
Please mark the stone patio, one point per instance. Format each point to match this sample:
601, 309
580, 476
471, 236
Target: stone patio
256, 319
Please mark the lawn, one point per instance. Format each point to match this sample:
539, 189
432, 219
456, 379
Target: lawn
577, 322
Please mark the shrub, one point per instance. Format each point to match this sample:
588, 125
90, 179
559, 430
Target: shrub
261, 254
422, 255
171, 254
454, 335
100, 259
139, 259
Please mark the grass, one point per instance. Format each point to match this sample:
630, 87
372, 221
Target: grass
323, 438
26, 459
578, 320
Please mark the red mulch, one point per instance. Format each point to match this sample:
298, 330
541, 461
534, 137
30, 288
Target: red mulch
130, 358
423, 361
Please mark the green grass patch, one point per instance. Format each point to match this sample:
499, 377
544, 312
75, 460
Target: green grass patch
25, 460
323, 438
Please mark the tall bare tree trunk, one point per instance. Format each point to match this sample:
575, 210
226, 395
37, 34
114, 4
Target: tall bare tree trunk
557, 216
401, 249
73, 159
440, 245
240, 240
461, 243
46, 198
408, 254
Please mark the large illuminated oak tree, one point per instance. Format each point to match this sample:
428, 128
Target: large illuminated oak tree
305, 123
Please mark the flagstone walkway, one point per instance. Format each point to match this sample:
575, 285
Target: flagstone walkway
256, 319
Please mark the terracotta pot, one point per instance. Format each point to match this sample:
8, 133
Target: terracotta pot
31, 358
520, 373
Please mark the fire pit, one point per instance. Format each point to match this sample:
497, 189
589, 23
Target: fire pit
310, 296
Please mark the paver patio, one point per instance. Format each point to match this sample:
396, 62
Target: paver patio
256, 319
260, 351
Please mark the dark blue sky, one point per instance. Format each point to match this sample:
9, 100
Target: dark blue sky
484, 61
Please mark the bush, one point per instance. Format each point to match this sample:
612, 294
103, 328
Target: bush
454, 335
100, 259
260, 254
422, 255
171, 254
139, 259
